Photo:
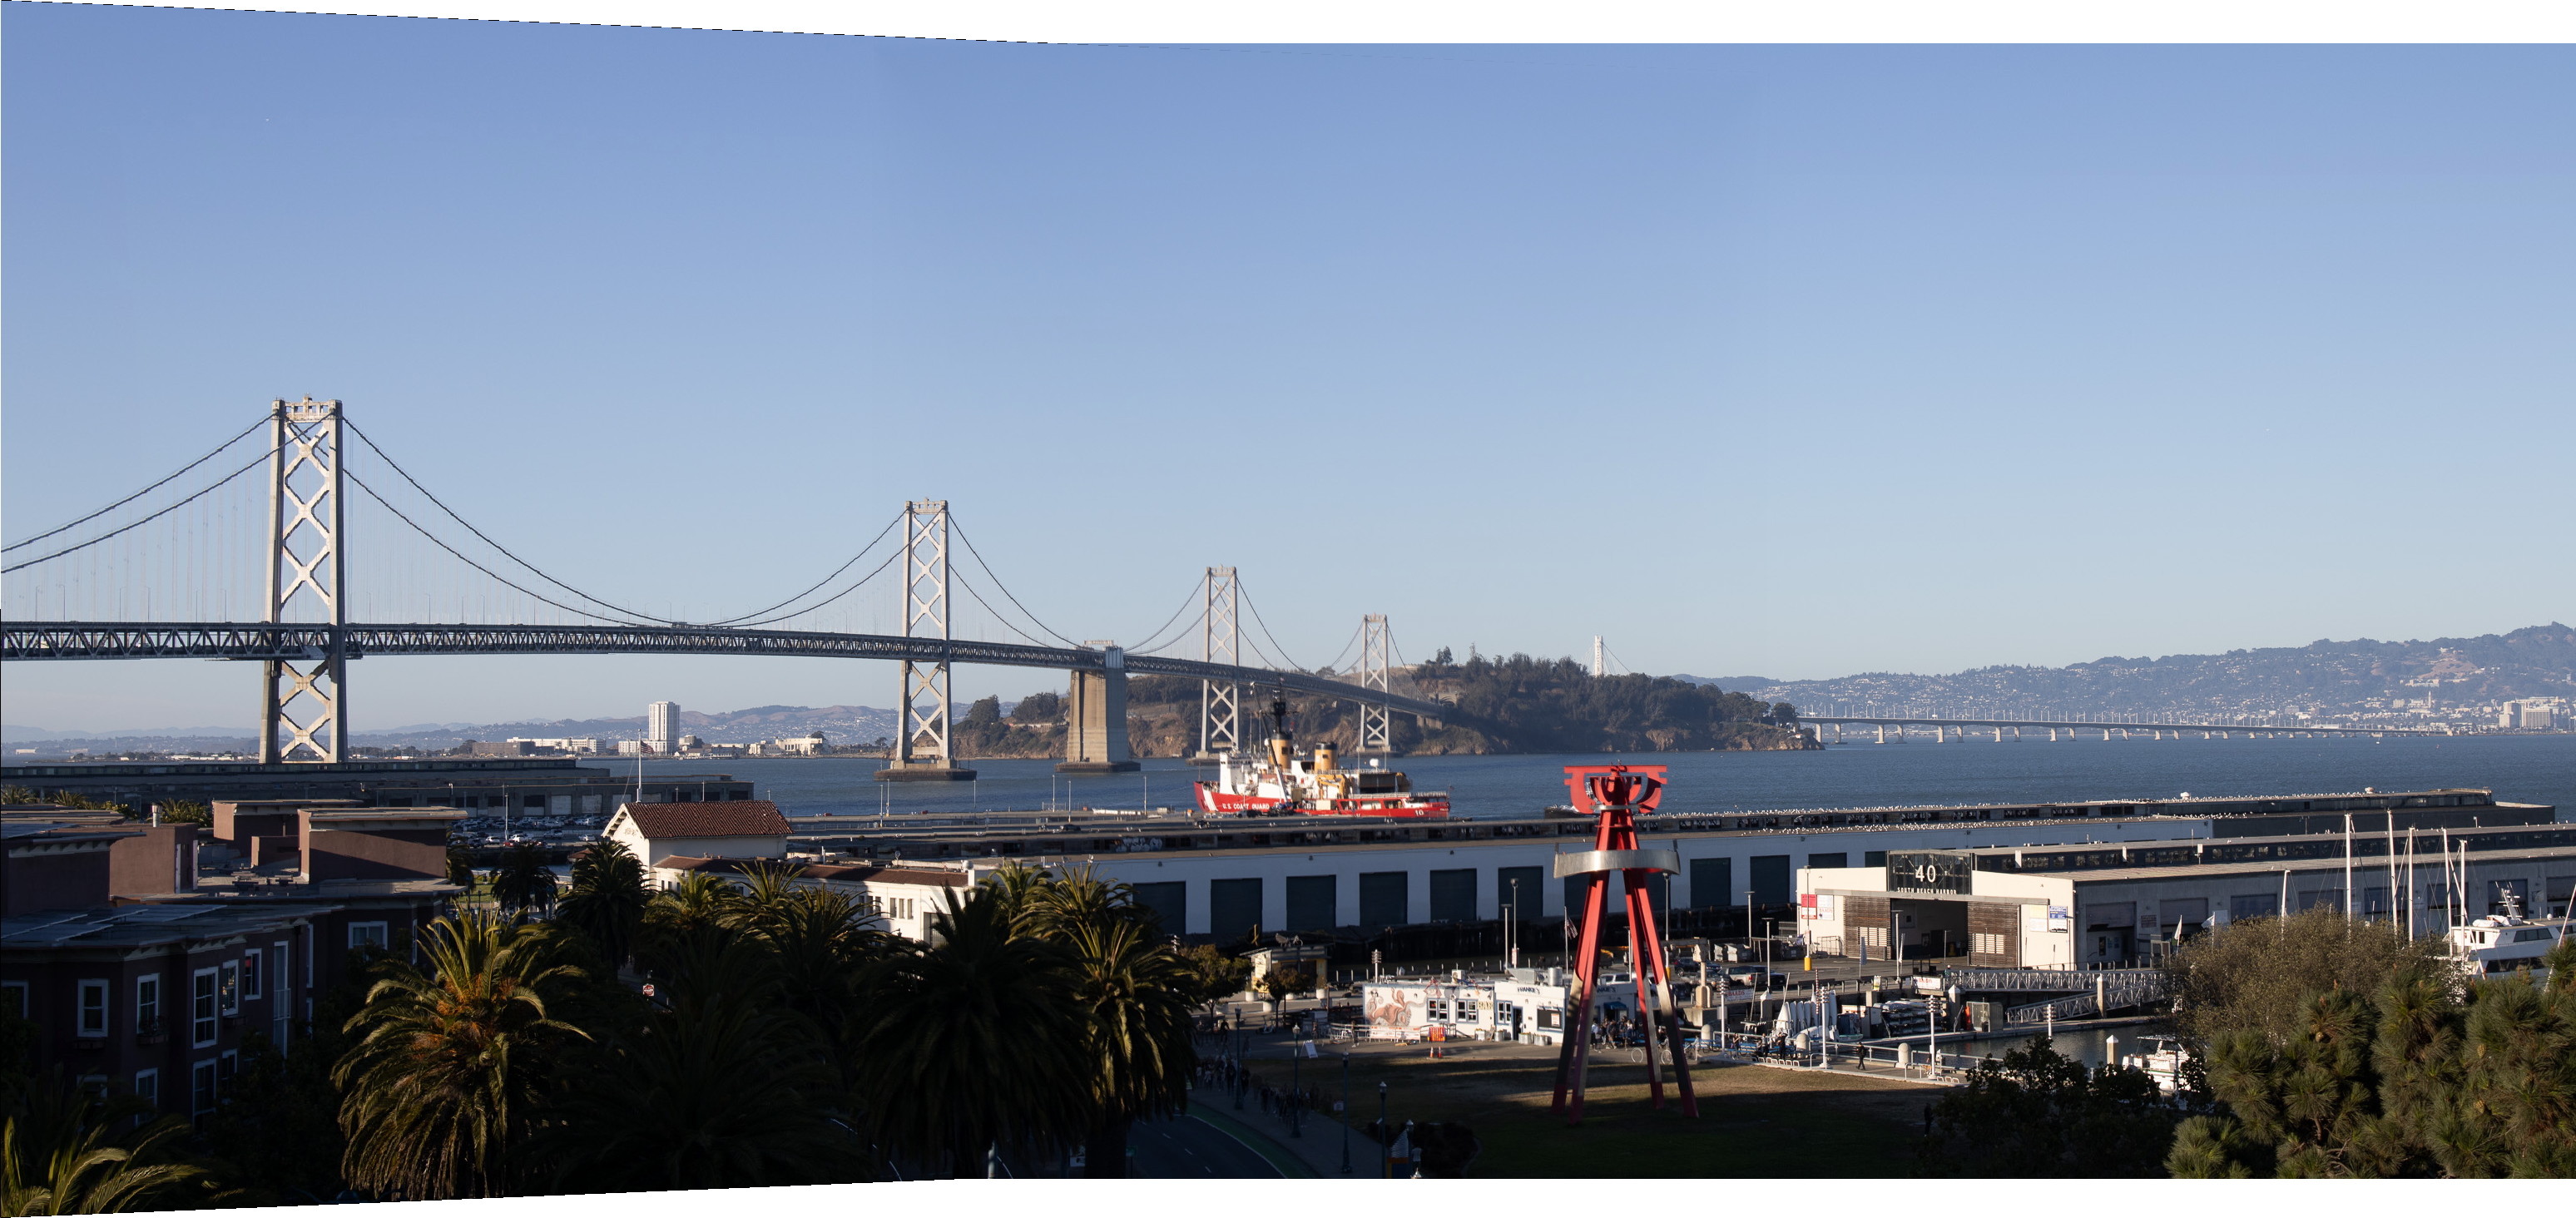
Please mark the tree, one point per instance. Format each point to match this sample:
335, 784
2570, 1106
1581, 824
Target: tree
607, 899
1443, 658
1281, 981
713, 1089
1133, 997
970, 1041
2261, 973
61, 1153
442, 1083
2037, 1113
2432, 1073
187, 812
1044, 706
985, 712
524, 881
1214, 974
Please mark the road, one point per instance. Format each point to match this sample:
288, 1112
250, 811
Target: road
1190, 1149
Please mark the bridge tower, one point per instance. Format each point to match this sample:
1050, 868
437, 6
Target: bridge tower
1220, 723
921, 746
1373, 715
304, 511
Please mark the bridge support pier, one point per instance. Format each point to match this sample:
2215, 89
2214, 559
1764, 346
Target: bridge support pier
1219, 701
1999, 735
1095, 720
1882, 733
304, 451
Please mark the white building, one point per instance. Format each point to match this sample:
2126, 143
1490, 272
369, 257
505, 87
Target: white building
905, 896
733, 828
1529, 1006
662, 726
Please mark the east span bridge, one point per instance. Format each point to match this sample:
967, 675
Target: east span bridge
1945, 728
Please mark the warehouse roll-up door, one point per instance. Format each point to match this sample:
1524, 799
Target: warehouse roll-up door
1310, 902
2120, 916
1712, 883
1526, 886
1383, 899
1170, 903
1453, 895
1234, 908
1771, 879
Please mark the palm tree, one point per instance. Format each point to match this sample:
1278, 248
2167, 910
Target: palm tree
525, 882
1133, 995
608, 898
969, 1041
677, 913
821, 942
440, 1086
59, 1154
710, 1092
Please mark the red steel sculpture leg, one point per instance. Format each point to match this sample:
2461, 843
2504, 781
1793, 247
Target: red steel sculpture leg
1616, 793
1668, 1021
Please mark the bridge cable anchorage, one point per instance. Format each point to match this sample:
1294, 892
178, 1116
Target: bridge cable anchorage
1265, 633
210, 455
836, 574
479, 534
256, 462
1005, 590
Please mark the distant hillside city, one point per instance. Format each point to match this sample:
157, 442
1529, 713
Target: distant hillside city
2524, 680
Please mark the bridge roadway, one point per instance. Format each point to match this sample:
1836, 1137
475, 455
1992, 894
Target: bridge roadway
301, 641
2087, 725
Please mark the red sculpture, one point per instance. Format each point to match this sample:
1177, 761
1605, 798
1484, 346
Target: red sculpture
1617, 793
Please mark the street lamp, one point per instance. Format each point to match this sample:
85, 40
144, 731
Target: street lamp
1389, 1147
1296, 1073
1346, 1112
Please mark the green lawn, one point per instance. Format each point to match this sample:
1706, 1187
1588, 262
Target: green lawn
1754, 1121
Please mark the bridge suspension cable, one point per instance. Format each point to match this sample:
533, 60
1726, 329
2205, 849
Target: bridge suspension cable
129, 527
836, 574
211, 454
396, 466
1282, 661
1155, 642
1004, 589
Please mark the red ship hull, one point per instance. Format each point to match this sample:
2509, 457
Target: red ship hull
1220, 803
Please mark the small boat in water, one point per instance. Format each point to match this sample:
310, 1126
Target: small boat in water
2161, 1059
2506, 942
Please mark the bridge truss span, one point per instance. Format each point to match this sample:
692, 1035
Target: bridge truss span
299, 641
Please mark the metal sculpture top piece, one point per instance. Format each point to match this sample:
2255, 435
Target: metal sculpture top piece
1617, 793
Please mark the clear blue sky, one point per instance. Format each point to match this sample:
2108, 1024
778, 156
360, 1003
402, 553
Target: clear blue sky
1793, 362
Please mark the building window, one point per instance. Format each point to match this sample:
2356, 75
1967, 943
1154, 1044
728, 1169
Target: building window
226, 1065
201, 1088
147, 1004
1551, 1019
201, 1010
228, 986
147, 1087
1982, 944
250, 974
367, 934
93, 1008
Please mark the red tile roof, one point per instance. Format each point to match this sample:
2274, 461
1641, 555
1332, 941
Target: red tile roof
724, 818
845, 872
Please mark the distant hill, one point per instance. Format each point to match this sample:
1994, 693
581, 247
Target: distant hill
2360, 679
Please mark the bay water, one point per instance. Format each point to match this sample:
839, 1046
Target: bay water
2520, 768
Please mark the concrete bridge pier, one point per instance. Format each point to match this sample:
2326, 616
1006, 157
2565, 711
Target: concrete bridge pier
1095, 721
1882, 733
1999, 735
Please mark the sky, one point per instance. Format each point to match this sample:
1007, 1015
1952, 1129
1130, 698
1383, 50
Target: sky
1788, 361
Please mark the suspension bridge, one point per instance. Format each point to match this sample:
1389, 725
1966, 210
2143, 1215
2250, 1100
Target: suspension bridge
338, 553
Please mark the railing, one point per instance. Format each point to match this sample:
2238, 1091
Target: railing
2046, 980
